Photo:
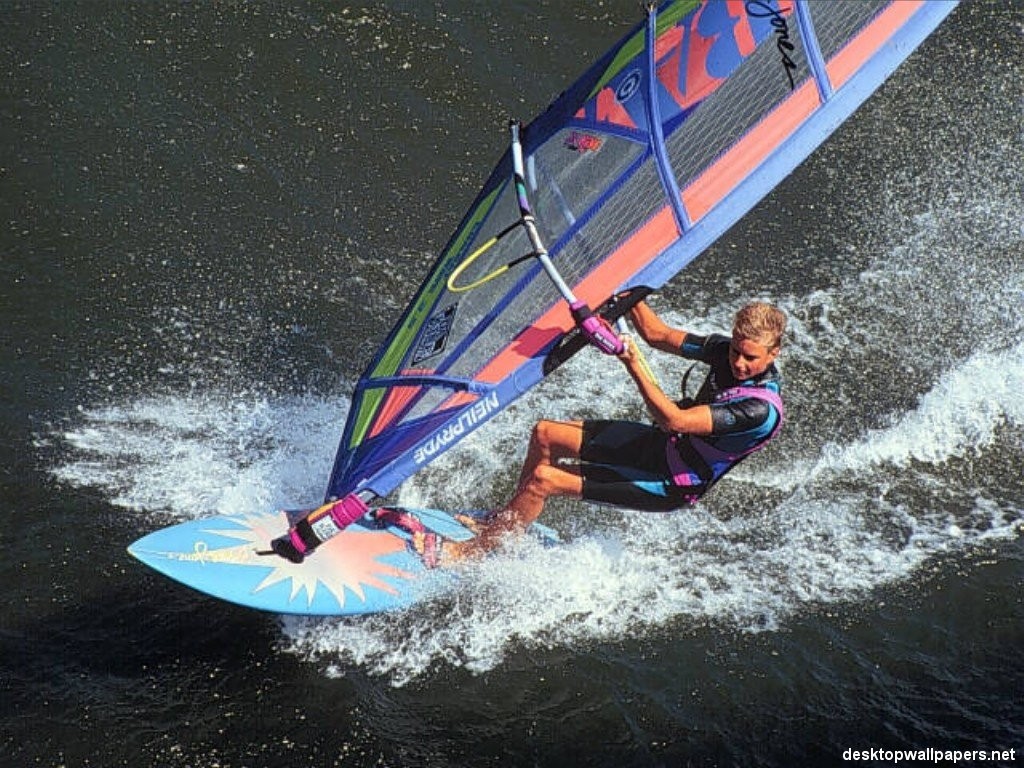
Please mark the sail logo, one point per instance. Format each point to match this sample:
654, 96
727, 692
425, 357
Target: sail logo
628, 87
760, 9
481, 410
435, 335
581, 142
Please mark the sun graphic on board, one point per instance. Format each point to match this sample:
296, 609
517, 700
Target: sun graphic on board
349, 561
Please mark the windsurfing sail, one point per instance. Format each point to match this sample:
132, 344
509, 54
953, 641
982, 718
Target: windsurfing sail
663, 144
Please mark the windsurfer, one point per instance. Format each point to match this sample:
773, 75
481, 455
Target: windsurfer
665, 465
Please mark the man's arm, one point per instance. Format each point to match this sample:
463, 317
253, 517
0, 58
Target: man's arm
654, 331
666, 414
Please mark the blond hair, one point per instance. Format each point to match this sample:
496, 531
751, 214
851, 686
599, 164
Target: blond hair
760, 322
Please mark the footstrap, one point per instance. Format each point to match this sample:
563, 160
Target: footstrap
431, 542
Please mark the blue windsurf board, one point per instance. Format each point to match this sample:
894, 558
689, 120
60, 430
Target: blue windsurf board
367, 568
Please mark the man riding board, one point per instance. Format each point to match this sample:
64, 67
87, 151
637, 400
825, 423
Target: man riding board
655, 467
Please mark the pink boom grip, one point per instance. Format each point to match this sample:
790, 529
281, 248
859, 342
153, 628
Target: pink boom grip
596, 329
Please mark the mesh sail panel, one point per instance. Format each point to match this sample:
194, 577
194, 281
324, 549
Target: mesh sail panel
837, 23
737, 104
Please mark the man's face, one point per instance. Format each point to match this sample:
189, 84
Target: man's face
750, 358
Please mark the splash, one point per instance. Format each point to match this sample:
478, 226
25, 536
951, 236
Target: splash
203, 454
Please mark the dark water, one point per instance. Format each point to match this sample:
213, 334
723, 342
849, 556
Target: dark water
211, 214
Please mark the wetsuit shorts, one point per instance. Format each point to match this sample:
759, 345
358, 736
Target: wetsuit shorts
623, 463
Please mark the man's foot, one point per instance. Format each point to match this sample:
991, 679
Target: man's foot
439, 552
489, 532
430, 547
461, 551
476, 525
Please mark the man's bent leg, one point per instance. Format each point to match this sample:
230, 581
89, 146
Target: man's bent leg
546, 481
550, 442
541, 477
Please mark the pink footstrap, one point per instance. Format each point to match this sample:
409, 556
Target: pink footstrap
432, 542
